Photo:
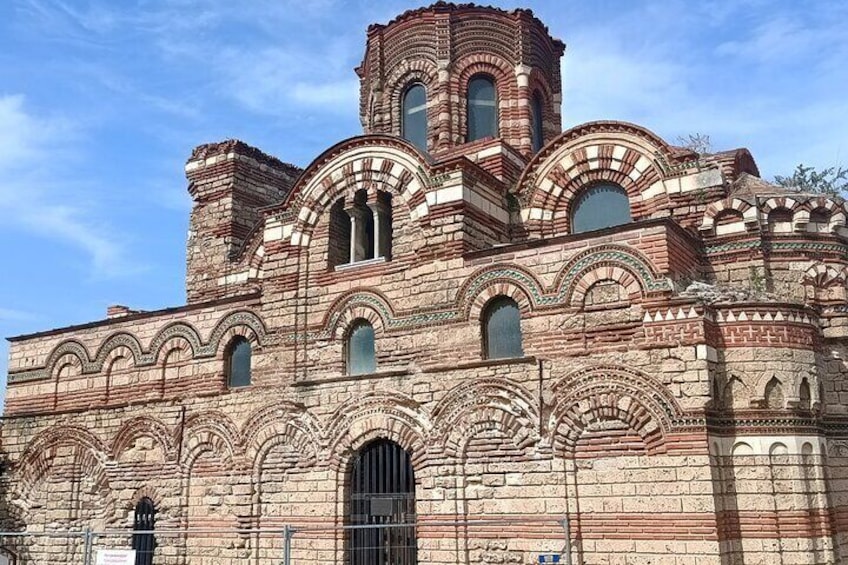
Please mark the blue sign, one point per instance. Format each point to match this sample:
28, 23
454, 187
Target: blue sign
549, 558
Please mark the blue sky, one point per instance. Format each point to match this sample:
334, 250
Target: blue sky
101, 102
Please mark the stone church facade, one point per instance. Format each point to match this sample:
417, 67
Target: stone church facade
530, 324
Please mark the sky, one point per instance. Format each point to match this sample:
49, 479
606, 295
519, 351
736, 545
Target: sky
102, 101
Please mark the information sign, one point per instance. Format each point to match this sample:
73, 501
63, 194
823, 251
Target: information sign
115, 557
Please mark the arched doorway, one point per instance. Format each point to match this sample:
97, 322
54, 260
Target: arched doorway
382, 492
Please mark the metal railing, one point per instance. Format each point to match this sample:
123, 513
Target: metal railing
428, 541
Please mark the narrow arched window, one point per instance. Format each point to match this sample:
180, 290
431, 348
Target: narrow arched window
144, 521
414, 122
238, 362
482, 108
502, 329
600, 206
538, 138
361, 358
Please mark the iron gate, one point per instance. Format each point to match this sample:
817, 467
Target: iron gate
382, 493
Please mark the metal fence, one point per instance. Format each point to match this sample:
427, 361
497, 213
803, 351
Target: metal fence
430, 541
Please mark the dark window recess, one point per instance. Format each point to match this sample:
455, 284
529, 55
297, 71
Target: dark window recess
382, 495
502, 329
361, 358
144, 521
414, 122
482, 108
538, 136
600, 206
238, 362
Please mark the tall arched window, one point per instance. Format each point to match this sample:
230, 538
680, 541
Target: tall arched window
238, 362
482, 108
502, 329
536, 110
414, 122
600, 206
144, 520
361, 358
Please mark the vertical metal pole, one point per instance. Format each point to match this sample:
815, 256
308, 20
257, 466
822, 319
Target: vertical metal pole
567, 549
287, 539
87, 551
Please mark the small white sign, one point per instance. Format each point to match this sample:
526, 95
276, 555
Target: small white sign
115, 557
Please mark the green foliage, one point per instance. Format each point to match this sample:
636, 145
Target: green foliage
832, 181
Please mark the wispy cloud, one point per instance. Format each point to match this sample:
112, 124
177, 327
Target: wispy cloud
34, 199
15, 315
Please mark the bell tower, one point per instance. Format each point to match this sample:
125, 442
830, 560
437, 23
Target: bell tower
447, 75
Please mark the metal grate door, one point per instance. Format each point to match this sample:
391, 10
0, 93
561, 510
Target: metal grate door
382, 506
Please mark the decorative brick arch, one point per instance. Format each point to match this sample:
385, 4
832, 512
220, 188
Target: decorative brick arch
509, 280
285, 420
144, 426
777, 202
602, 273
377, 415
496, 289
506, 87
616, 152
371, 162
611, 393
625, 265
150, 492
210, 431
163, 341
368, 304
480, 405
36, 460
821, 275
60, 357
715, 209
125, 342
419, 70
245, 323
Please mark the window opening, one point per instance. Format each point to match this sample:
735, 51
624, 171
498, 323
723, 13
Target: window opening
414, 120
600, 206
482, 108
502, 329
361, 358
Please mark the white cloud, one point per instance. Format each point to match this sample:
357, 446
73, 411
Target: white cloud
15, 315
36, 198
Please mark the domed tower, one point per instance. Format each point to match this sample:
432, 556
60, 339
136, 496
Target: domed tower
449, 74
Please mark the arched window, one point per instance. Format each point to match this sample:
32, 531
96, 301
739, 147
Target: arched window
482, 108
144, 521
238, 362
414, 122
600, 206
538, 138
338, 247
804, 394
361, 359
502, 329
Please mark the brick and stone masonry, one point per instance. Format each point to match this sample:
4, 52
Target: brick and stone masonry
681, 395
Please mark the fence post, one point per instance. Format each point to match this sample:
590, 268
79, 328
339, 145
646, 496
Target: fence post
88, 547
567, 549
288, 531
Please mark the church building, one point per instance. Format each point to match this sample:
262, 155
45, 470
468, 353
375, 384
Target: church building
465, 336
